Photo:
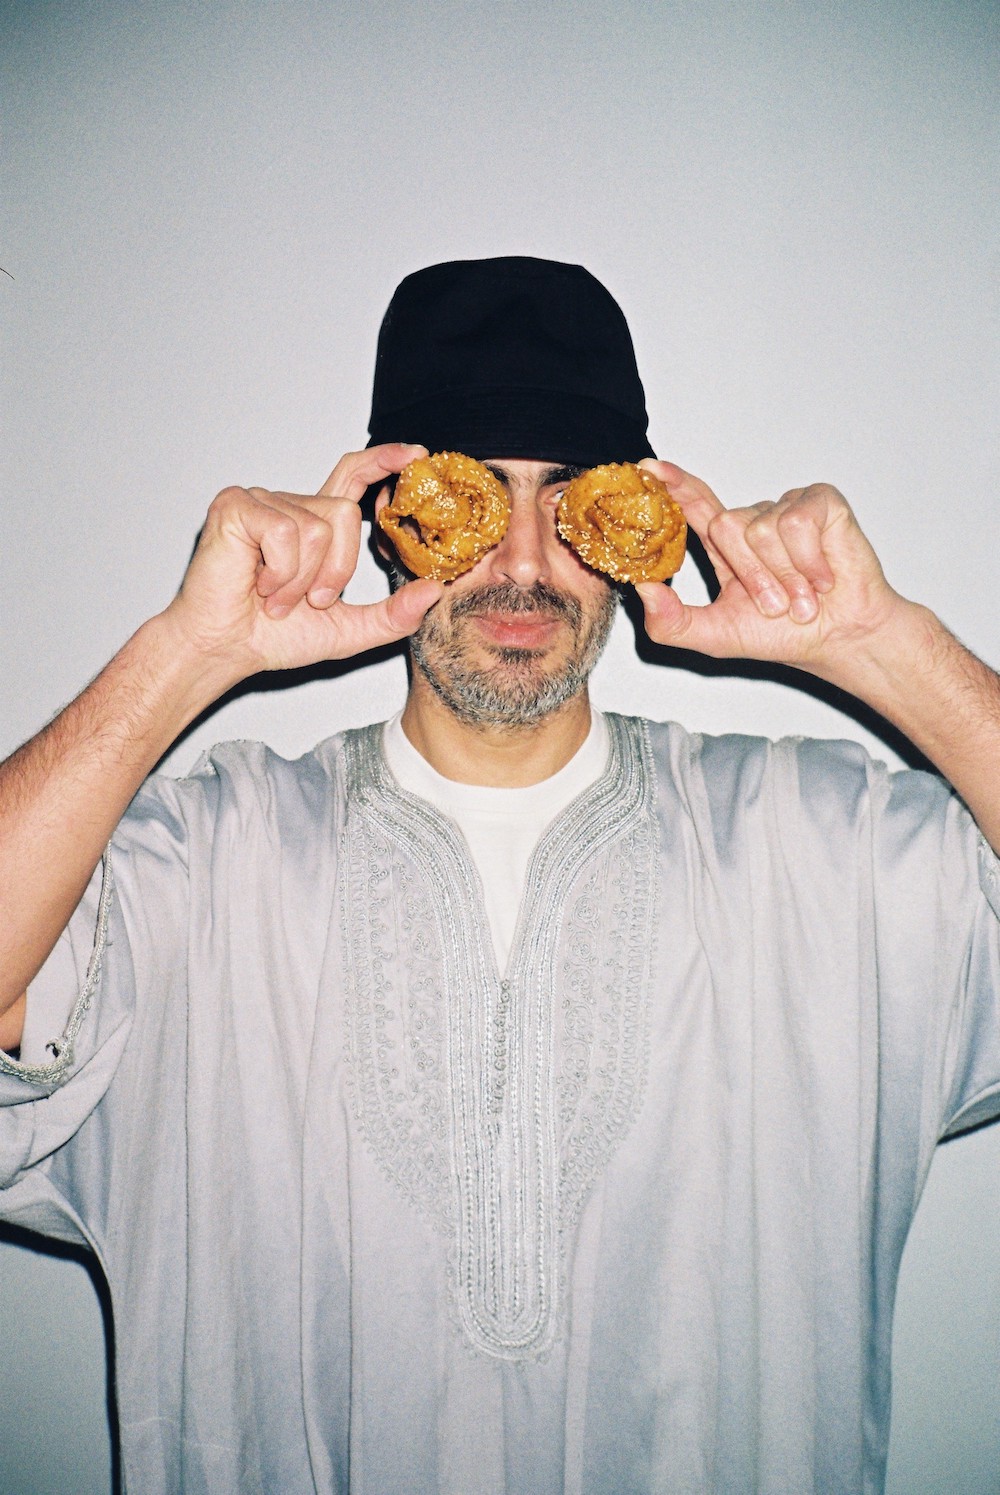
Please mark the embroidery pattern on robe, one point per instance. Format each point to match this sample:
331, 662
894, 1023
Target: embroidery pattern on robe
494, 1100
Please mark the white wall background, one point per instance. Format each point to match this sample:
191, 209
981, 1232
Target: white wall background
205, 208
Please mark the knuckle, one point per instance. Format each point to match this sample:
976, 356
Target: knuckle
283, 528
345, 467
758, 580
795, 520
759, 526
344, 511
316, 538
724, 526
227, 497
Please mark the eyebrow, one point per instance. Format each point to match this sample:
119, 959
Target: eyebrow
549, 478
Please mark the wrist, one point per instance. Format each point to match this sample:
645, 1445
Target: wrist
900, 668
181, 679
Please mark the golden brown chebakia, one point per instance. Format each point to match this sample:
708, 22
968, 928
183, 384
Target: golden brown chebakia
622, 520
447, 512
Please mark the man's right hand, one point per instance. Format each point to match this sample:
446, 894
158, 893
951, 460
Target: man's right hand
264, 589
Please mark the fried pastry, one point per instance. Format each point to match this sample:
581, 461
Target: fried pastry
621, 519
447, 512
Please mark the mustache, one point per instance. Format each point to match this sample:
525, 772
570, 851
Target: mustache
505, 597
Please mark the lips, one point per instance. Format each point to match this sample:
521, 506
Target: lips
510, 617
517, 630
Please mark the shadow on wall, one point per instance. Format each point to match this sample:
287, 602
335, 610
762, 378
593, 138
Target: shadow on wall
60, 1251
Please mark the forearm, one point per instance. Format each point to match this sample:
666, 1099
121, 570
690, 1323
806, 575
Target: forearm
944, 699
64, 791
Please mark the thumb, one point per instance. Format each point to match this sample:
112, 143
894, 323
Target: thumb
405, 609
665, 617
369, 625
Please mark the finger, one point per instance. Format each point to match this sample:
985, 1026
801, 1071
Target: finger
805, 521
339, 561
265, 524
699, 505
296, 545
788, 539
764, 538
750, 566
357, 471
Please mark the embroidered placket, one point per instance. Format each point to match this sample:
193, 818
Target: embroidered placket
493, 1101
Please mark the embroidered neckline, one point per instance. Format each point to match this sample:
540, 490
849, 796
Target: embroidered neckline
494, 1099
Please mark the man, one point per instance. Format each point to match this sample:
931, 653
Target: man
515, 1098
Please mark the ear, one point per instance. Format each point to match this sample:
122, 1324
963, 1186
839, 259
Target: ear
382, 544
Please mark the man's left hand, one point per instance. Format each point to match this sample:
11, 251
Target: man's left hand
798, 582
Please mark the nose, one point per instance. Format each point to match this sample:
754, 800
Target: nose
524, 554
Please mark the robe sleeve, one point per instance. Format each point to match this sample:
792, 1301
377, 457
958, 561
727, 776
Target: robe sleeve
935, 930
81, 1006
975, 1092
191, 957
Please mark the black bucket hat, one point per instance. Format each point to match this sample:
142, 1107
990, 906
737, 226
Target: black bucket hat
510, 357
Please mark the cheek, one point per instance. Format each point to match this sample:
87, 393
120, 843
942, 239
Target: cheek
606, 606
569, 564
592, 590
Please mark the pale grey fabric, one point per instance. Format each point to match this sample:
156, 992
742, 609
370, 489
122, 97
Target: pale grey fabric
625, 1217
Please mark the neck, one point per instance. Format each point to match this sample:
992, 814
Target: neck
498, 757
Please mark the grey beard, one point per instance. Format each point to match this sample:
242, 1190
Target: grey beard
509, 693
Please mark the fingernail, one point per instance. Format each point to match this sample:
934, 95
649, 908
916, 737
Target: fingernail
322, 597
773, 602
279, 610
803, 609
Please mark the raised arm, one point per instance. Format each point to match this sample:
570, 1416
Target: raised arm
801, 585
263, 591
